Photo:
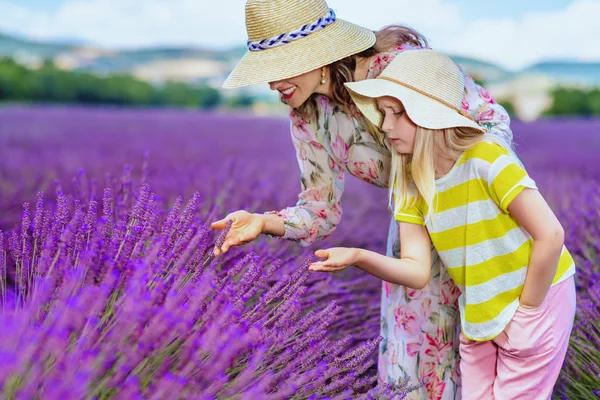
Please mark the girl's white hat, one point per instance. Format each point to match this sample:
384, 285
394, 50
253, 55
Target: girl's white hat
429, 85
287, 38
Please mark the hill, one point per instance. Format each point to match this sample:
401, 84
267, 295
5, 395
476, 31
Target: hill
567, 72
10, 45
528, 89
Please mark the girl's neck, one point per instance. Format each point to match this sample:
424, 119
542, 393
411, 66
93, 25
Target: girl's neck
443, 165
445, 161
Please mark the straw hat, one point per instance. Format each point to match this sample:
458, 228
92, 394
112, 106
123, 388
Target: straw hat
429, 85
287, 38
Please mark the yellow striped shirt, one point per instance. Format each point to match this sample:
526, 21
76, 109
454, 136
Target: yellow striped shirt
483, 247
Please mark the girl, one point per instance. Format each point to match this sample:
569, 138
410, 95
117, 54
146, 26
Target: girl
305, 53
466, 193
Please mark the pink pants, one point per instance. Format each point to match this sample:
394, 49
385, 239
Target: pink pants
524, 361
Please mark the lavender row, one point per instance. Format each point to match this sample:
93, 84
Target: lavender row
133, 304
238, 161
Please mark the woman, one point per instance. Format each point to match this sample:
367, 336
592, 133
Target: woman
306, 53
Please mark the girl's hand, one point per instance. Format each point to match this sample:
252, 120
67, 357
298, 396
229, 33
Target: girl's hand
245, 228
529, 305
337, 259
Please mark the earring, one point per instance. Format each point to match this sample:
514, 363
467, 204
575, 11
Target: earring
323, 75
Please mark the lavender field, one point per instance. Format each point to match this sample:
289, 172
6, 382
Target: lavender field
109, 290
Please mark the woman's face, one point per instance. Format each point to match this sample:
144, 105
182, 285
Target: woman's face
399, 129
298, 89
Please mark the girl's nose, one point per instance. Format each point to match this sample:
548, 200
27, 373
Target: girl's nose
386, 125
274, 85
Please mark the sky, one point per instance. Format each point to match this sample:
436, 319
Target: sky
511, 33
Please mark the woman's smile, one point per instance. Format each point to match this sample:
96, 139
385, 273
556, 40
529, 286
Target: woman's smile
288, 93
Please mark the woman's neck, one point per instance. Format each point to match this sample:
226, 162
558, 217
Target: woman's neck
361, 71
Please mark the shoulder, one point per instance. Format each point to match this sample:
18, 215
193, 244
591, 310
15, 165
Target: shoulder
492, 159
381, 60
330, 118
487, 151
301, 129
485, 157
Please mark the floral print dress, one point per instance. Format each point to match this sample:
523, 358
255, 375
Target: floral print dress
419, 327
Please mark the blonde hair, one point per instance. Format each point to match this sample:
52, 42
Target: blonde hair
412, 176
342, 71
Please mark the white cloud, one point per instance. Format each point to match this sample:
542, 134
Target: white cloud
571, 33
426, 15
132, 23
511, 42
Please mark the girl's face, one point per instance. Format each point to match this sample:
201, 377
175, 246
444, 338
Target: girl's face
399, 129
298, 89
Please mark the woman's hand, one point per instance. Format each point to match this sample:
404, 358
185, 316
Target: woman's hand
245, 228
337, 259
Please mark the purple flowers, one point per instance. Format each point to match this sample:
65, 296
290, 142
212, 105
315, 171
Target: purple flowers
109, 288
132, 311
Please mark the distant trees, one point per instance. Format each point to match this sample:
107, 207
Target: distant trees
50, 84
573, 101
242, 100
508, 106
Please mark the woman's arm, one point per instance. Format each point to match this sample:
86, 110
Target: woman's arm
535, 216
272, 224
413, 269
318, 210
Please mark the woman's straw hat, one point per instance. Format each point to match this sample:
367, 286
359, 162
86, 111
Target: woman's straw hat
429, 85
287, 38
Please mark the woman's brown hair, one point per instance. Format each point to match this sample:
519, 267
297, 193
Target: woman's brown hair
342, 71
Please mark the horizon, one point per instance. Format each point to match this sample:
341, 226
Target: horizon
74, 42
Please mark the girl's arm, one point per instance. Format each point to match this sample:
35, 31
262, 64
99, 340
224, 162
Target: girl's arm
535, 216
413, 269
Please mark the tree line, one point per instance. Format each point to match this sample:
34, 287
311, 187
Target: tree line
574, 101
51, 84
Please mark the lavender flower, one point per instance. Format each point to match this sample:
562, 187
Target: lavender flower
123, 305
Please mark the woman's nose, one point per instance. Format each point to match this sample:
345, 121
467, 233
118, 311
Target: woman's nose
274, 85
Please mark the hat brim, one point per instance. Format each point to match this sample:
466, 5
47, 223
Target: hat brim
333, 43
422, 110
